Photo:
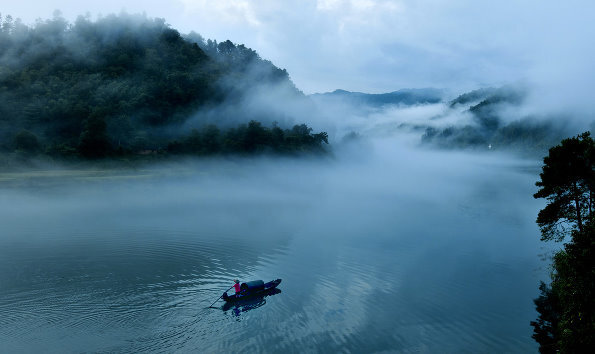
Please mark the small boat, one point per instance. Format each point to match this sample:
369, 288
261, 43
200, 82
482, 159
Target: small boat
251, 289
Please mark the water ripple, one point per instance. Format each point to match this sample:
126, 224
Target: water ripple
147, 289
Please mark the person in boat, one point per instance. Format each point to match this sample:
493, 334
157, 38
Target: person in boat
236, 286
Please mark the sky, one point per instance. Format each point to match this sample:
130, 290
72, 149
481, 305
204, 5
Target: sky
385, 45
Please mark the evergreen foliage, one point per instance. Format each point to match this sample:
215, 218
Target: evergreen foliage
568, 183
566, 308
122, 85
26, 141
249, 139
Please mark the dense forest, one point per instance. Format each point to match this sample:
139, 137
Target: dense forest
127, 85
566, 322
491, 126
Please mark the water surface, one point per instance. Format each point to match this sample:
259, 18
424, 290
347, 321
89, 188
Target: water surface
417, 252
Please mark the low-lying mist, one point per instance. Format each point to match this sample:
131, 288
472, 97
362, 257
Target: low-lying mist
380, 173
181, 180
142, 170
448, 236
502, 119
128, 85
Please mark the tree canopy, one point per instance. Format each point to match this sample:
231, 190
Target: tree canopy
566, 322
568, 183
126, 84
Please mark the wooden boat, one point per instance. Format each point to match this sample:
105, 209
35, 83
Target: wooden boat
252, 289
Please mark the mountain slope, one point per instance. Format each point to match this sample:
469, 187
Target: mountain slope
131, 80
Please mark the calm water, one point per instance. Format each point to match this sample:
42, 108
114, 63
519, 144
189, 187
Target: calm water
420, 252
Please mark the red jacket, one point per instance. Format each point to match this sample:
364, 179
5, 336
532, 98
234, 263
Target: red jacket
237, 287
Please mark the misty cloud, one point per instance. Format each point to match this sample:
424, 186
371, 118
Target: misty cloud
444, 234
380, 46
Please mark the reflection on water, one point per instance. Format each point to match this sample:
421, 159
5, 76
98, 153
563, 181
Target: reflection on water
368, 264
248, 304
101, 293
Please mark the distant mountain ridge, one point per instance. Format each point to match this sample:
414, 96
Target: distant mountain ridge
492, 128
400, 97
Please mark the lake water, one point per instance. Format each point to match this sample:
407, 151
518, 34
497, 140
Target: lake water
407, 252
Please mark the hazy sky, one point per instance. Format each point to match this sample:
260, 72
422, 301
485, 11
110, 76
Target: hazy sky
384, 45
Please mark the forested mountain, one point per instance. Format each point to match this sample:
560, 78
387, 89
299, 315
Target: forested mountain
127, 84
491, 124
400, 97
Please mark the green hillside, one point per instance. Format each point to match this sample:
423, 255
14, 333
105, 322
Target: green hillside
124, 85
